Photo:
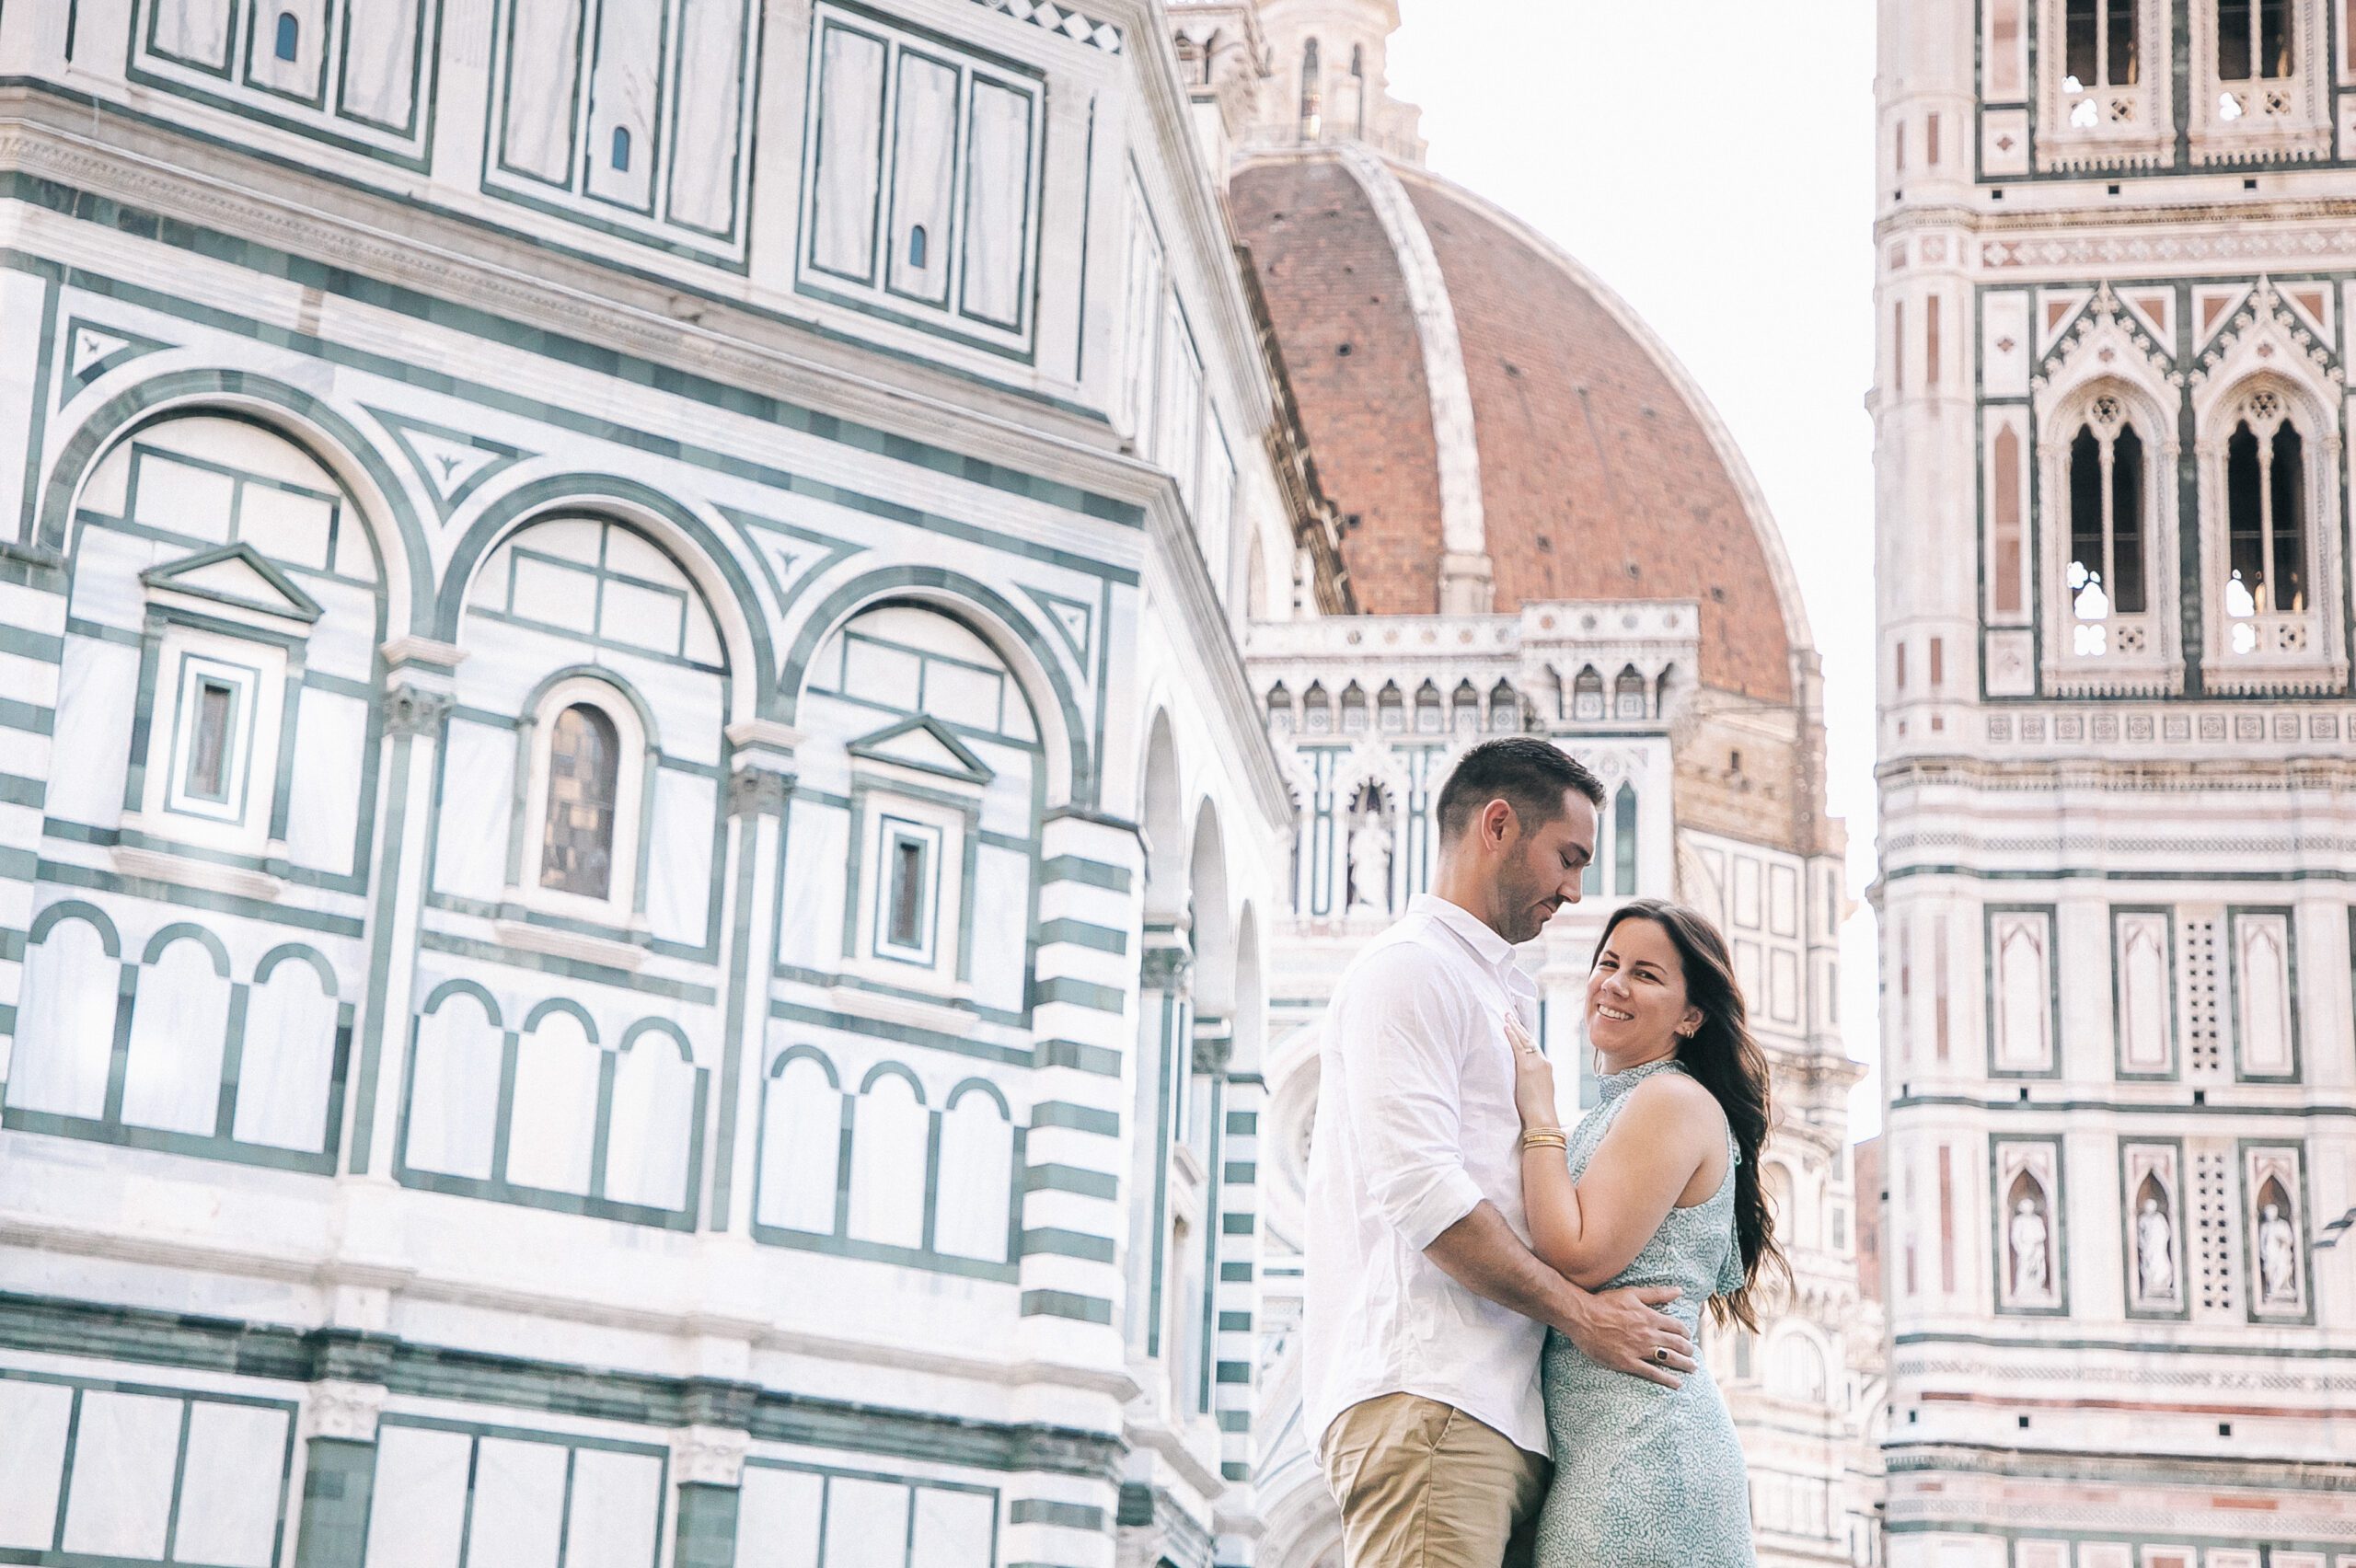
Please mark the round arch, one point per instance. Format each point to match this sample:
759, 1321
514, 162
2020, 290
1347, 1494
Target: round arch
309, 422
1070, 764
1214, 921
1164, 821
692, 544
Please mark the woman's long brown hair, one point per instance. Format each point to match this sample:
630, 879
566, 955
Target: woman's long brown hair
1722, 1057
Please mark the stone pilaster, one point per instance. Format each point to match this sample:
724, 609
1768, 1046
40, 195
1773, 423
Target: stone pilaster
760, 786
419, 695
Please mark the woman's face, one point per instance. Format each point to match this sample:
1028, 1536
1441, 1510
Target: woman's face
1635, 993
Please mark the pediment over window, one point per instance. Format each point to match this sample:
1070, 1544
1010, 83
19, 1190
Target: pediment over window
235, 578
926, 746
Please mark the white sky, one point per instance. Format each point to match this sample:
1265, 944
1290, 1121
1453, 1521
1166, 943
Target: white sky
1711, 160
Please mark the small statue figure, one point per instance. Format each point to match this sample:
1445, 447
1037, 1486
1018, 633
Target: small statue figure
2030, 1280
2277, 1256
2155, 1252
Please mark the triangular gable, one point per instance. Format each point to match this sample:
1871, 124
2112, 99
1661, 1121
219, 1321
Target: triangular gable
921, 743
2156, 309
453, 464
235, 574
2055, 310
791, 557
2311, 301
2212, 308
91, 350
1074, 622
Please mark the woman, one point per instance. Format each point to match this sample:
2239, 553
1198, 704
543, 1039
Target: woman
1657, 1185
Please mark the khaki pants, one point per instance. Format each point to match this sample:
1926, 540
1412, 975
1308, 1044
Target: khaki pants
1423, 1485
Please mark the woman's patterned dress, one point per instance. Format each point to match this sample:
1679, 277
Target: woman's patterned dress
1647, 1477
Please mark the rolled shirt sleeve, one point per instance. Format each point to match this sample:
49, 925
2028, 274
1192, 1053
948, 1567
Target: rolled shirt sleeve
1403, 1095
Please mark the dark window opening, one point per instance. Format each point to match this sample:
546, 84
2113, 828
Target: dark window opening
2100, 44
622, 147
208, 762
908, 892
2254, 40
584, 765
2266, 524
918, 246
288, 36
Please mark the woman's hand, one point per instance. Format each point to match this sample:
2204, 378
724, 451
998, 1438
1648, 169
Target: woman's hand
1533, 1077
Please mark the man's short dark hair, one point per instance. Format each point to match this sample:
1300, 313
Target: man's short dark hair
1528, 774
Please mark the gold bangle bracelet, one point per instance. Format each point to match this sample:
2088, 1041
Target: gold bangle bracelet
1543, 1137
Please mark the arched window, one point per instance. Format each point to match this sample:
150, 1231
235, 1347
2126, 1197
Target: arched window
1316, 709
919, 244
1428, 710
1312, 97
622, 147
2253, 42
1280, 708
577, 841
1505, 708
1587, 695
2107, 572
1628, 694
1623, 841
1353, 708
2266, 508
288, 35
1390, 709
1466, 704
2100, 45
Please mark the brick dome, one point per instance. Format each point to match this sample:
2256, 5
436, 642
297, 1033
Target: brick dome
1480, 404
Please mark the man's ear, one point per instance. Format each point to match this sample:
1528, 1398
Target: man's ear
1497, 823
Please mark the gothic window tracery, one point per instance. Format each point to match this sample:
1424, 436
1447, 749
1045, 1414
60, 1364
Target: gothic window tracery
2271, 564
2266, 520
2254, 42
2106, 576
2101, 50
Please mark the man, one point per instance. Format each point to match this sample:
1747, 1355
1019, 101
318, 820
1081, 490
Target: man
1427, 1310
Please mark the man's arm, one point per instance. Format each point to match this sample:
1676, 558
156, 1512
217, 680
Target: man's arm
1620, 1329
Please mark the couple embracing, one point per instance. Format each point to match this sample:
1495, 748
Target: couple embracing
1486, 1287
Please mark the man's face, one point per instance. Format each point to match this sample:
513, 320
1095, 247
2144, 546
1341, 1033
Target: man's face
1539, 869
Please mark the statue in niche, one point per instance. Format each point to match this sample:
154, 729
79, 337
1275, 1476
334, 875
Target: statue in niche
2032, 1277
2154, 1252
2277, 1256
1370, 859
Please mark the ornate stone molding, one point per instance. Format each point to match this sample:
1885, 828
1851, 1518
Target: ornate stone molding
416, 711
756, 791
709, 1456
342, 1411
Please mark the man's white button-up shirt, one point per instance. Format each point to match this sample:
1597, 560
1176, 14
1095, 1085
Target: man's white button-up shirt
1415, 1125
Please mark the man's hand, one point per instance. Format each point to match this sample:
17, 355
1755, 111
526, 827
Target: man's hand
1619, 1329
1624, 1329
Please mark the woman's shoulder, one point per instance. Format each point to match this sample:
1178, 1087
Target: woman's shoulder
1679, 1097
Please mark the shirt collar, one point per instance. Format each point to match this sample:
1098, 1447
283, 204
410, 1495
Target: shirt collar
1475, 932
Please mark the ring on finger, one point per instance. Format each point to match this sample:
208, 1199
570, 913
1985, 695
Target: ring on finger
1660, 1355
